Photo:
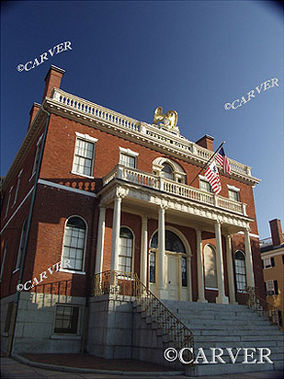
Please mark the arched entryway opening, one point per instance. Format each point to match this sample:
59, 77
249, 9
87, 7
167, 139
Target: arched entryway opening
177, 265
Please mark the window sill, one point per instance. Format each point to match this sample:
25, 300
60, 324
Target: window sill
65, 336
72, 271
79, 174
211, 288
16, 269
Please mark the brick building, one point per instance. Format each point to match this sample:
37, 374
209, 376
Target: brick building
272, 255
101, 192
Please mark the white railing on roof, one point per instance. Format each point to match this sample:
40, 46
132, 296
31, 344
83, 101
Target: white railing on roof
151, 132
142, 178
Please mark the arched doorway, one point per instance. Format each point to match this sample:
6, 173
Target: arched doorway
177, 263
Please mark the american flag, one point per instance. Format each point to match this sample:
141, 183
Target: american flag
213, 177
223, 160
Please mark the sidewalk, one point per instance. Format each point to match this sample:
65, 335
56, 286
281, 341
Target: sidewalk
12, 369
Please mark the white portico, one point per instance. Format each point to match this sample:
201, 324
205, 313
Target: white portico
166, 254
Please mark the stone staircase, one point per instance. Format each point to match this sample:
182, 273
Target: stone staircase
229, 326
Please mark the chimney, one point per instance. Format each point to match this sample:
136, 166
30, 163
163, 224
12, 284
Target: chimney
206, 141
276, 232
52, 80
33, 113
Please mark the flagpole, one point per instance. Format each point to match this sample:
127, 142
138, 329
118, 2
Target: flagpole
206, 164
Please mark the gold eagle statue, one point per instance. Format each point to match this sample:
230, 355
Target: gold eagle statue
168, 119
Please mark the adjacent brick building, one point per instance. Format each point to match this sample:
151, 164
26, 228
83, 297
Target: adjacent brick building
100, 191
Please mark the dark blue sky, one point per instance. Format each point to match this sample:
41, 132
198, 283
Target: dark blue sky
191, 56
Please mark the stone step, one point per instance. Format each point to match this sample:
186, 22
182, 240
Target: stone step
237, 338
272, 344
195, 306
222, 369
187, 315
197, 331
228, 323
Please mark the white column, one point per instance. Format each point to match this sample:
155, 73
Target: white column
249, 263
144, 250
230, 270
100, 241
115, 243
200, 271
221, 298
161, 249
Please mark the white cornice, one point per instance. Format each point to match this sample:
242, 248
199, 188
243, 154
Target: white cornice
142, 133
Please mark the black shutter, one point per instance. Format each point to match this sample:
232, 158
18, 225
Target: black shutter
272, 262
275, 287
262, 262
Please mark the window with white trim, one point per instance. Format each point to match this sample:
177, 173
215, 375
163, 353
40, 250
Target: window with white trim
37, 155
210, 268
83, 162
66, 319
183, 271
271, 287
74, 244
8, 202
268, 262
167, 171
205, 185
18, 186
128, 157
126, 250
21, 244
240, 271
233, 194
3, 260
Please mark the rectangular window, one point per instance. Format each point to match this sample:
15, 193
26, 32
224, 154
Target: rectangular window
8, 317
37, 155
8, 202
183, 272
271, 287
66, 319
83, 162
127, 160
234, 195
204, 185
3, 260
152, 267
18, 186
269, 262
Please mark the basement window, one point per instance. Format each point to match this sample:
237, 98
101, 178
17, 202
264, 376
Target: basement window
66, 319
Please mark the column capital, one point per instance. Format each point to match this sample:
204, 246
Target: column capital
121, 192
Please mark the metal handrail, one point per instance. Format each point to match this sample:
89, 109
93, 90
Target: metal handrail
262, 307
128, 284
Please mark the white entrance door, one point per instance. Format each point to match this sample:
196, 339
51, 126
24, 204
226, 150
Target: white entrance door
173, 277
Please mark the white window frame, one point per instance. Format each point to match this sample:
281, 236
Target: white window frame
71, 270
8, 201
240, 273
129, 153
86, 138
3, 260
269, 286
133, 247
236, 190
204, 179
17, 188
21, 245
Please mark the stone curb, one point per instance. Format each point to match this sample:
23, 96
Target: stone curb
94, 371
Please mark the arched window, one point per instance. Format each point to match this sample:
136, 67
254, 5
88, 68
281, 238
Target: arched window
21, 244
173, 242
210, 271
167, 171
240, 271
74, 244
126, 250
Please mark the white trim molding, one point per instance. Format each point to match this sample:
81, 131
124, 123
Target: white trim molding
233, 188
128, 152
86, 137
63, 187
